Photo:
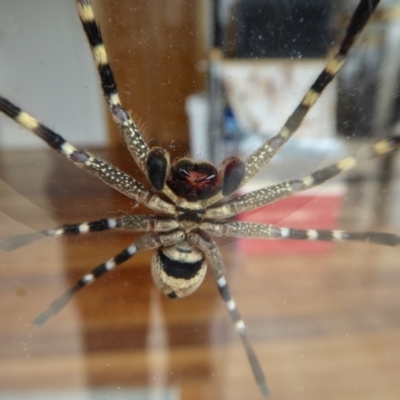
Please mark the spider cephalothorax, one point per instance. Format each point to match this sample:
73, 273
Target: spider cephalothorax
194, 180
190, 198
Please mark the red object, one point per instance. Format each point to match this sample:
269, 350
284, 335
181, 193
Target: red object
311, 211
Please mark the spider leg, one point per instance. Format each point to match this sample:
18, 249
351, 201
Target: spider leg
60, 302
263, 154
132, 136
17, 241
146, 242
264, 231
129, 130
262, 197
135, 223
114, 177
214, 258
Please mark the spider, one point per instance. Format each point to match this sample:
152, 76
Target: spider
192, 200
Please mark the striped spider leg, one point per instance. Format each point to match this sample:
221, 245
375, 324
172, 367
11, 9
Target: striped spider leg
179, 266
260, 157
191, 198
153, 162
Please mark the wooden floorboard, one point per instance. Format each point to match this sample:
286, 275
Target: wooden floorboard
325, 326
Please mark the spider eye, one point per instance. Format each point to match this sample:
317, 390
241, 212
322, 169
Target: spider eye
193, 180
206, 178
184, 172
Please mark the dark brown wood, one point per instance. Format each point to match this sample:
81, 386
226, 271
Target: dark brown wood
325, 326
155, 48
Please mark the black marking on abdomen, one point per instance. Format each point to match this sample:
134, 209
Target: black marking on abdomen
178, 269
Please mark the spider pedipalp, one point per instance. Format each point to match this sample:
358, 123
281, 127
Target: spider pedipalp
193, 201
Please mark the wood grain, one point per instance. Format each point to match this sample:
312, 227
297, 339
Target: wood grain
324, 326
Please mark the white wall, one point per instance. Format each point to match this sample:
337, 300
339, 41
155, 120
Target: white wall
46, 68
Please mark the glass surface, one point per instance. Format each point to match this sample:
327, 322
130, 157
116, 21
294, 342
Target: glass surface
323, 320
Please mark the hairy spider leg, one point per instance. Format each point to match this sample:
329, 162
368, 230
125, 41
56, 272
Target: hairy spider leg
60, 302
133, 223
129, 130
187, 221
214, 258
113, 176
259, 158
268, 195
146, 242
131, 133
264, 231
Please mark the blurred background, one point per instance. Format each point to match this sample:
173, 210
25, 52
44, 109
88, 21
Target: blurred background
207, 79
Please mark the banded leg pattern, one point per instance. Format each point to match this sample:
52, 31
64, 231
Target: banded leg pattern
60, 302
241, 330
24, 239
214, 258
129, 130
264, 231
134, 223
268, 195
146, 242
85, 227
261, 156
114, 177
53, 139
132, 136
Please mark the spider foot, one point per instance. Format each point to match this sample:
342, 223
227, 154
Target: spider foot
18, 241
55, 307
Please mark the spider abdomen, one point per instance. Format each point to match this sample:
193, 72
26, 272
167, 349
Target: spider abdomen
178, 270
